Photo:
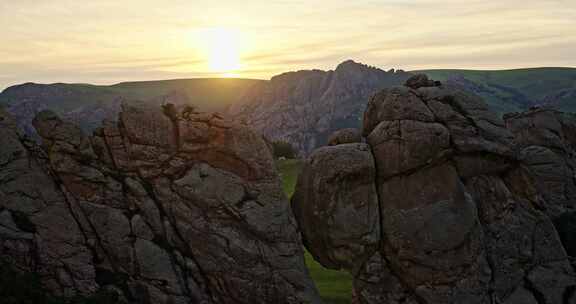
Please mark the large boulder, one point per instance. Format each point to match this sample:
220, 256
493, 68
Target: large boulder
460, 216
338, 181
160, 208
345, 136
546, 140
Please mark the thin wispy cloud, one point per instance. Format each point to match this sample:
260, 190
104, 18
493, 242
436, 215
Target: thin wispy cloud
107, 41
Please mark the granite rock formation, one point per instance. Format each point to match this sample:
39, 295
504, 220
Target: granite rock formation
436, 207
547, 143
154, 208
345, 136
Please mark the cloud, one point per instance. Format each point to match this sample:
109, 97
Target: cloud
107, 41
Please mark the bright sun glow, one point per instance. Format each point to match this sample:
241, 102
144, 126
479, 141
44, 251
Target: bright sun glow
223, 50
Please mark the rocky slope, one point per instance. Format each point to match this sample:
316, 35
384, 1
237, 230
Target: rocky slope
305, 107
437, 206
87, 105
517, 90
156, 207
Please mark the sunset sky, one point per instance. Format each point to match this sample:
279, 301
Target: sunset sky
108, 41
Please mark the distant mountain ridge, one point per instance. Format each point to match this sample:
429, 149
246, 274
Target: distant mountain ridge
305, 107
518, 89
301, 107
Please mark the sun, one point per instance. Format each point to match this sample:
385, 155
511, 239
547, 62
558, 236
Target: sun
222, 50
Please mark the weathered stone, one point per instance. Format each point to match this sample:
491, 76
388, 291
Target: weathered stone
421, 81
49, 237
404, 145
161, 209
473, 127
547, 146
336, 205
344, 136
460, 214
399, 103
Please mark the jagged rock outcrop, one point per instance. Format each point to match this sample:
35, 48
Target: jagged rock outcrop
421, 81
547, 143
305, 107
155, 208
38, 229
345, 136
458, 216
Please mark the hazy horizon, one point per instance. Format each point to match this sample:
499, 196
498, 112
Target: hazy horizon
107, 42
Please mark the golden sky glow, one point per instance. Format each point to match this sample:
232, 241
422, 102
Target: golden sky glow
108, 41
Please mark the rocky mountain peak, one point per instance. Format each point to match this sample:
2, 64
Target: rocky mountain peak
304, 107
351, 65
289, 77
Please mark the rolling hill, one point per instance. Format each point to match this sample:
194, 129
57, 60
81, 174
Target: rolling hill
88, 105
519, 89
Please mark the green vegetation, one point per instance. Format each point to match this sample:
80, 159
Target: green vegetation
283, 149
535, 82
289, 170
335, 287
516, 90
208, 94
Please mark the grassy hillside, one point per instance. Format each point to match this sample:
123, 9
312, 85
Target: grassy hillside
209, 94
515, 90
505, 90
335, 287
534, 82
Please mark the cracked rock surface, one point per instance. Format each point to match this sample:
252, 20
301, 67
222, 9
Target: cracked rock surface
436, 207
159, 208
547, 143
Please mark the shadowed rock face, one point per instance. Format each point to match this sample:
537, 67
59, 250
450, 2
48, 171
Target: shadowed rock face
38, 226
339, 180
445, 212
160, 209
547, 143
344, 136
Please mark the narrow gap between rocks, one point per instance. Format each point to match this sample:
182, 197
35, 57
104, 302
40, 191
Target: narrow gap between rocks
334, 286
